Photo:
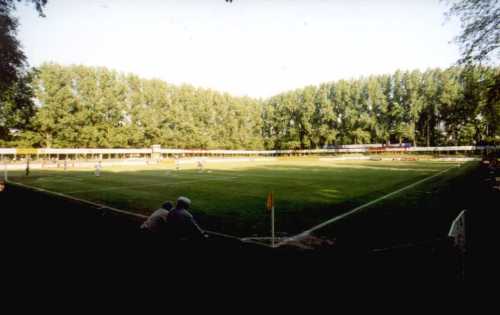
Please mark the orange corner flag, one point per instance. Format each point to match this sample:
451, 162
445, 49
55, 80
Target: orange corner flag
270, 201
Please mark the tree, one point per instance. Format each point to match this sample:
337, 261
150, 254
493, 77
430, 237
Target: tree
480, 22
396, 111
57, 119
479, 42
16, 109
450, 94
429, 118
16, 106
12, 59
344, 111
491, 108
377, 107
324, 119
412, 102
96, 107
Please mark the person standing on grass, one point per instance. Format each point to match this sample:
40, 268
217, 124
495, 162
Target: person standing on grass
156, 223
28, 167
98, 169
181, 224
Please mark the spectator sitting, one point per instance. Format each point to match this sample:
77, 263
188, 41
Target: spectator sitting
181, 223
157, 221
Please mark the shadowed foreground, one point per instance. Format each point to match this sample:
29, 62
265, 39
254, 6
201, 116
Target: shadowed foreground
44, 230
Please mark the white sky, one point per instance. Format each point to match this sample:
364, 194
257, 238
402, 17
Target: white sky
249, 47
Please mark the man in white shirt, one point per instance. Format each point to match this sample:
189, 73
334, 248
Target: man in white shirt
157, 221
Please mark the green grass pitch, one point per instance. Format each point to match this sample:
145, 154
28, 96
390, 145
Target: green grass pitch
230, 197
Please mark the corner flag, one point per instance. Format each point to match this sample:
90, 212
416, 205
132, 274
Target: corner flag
270, 202
457, 231
270, 207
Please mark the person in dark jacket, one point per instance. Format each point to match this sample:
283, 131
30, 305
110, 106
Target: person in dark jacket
181, 224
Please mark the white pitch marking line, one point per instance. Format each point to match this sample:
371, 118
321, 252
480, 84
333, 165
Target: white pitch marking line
95, 204
101, 206
388, 168
350, 212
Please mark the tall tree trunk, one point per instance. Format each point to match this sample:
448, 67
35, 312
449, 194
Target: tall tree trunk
428, 132
414, 133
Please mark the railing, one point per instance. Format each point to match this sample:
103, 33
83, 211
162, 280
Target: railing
151, 151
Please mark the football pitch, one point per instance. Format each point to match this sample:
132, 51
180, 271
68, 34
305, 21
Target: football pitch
230, 197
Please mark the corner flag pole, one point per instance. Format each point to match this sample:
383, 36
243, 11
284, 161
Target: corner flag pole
270, 206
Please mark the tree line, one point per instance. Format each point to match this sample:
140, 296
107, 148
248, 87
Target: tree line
58, 106
80, 106
454, 106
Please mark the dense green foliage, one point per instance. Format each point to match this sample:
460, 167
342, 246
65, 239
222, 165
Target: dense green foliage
80, 106
16, 106
96, 107
17, 109
434, 107
12, 58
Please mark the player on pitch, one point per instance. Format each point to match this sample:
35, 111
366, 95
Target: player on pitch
28, 167
98, 169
